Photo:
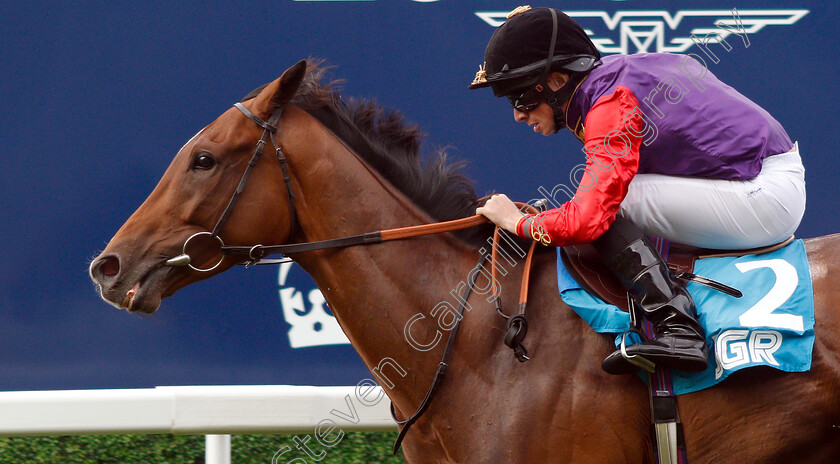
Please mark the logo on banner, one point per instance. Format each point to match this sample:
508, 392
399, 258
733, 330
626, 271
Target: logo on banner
642, 31
311, 324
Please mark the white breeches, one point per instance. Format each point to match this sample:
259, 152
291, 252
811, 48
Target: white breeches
724, 214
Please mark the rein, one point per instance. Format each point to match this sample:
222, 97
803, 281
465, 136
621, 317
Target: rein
517, 328
441, 370
258, 252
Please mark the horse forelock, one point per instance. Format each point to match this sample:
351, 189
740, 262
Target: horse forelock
382, 138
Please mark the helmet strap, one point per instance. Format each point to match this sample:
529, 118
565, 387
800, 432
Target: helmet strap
556, 99
550, 57
559, 115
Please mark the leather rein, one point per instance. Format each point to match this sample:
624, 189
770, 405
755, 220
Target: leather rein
256, 254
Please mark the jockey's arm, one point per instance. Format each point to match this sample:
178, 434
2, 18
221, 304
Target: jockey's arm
612, 142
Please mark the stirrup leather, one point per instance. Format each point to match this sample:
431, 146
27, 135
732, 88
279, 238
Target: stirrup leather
635, 327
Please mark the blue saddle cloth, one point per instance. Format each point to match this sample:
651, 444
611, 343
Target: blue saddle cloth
771, 325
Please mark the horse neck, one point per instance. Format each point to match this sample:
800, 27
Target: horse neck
372, 290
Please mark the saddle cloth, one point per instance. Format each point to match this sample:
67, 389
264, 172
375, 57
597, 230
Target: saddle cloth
771, 325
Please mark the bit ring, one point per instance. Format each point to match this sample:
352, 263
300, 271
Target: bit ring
221, 255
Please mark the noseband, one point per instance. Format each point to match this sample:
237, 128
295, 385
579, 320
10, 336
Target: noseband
269, 129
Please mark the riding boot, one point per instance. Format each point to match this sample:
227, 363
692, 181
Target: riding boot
679, 341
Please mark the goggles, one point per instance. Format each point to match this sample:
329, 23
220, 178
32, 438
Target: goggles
528, 100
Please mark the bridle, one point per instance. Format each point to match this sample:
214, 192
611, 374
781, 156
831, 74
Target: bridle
256, 255
269, 129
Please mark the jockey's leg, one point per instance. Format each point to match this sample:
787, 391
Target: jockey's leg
679, 341
718, 213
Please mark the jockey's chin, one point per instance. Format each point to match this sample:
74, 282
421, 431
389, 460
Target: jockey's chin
541, 119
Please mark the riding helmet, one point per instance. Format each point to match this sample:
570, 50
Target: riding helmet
517, 55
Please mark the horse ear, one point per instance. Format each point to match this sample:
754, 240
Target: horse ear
279, 92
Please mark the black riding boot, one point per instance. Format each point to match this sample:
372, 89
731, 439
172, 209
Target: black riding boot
679, 340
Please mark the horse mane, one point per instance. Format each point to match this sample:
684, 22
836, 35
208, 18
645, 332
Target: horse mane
382, 138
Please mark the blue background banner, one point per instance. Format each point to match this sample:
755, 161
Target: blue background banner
97, 97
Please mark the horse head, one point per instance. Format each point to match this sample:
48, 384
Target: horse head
135, 272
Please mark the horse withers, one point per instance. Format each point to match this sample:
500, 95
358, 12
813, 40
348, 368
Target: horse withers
354, 168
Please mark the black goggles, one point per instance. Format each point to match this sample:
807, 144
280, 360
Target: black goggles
528, 100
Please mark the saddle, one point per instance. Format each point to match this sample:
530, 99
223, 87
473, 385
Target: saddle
586, 268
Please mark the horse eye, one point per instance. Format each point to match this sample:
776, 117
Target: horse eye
203, 161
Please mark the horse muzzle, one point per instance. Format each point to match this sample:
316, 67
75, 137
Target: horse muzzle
136, 290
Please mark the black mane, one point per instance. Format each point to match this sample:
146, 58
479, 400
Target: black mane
382, 138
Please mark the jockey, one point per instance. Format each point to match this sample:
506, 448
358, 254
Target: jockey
670, 151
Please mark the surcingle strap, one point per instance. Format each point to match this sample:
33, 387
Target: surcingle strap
666, 428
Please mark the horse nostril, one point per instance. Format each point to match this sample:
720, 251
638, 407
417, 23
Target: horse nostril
109, 266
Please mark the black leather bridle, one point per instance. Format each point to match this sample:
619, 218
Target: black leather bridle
256, 254
269, 129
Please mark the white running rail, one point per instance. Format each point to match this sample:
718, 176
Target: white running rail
210, 410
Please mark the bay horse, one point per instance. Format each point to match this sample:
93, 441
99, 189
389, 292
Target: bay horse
353, 168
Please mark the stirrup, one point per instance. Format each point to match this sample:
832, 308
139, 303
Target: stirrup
635, 359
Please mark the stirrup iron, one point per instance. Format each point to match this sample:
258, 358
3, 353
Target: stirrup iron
634, 359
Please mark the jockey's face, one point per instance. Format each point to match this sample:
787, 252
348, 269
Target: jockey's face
542, 117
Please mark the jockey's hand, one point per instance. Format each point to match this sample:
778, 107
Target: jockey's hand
501, 211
